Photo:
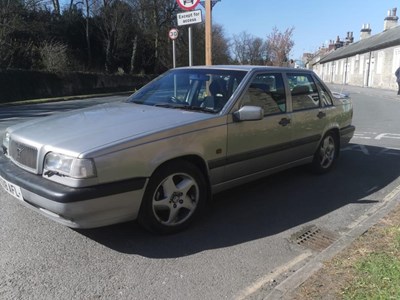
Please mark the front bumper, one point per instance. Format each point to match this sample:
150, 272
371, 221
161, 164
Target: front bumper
86, 207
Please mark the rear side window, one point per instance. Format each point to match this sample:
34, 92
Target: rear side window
325, 97
304, 92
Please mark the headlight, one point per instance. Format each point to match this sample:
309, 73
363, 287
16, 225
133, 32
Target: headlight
69, 166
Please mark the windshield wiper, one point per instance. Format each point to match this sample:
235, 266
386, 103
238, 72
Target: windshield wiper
198, 108
186, 107
169, 105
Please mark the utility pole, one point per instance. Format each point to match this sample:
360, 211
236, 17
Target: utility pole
208, 5
208, 33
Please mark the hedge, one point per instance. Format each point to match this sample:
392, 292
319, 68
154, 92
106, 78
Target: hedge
18, 85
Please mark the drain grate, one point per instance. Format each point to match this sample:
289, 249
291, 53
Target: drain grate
314, 238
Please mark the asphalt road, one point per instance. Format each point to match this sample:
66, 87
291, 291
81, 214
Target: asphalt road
241, 249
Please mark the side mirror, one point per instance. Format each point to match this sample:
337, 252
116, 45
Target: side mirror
341, 95
248, 113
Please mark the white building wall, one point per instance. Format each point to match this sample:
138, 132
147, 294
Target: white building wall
373, 69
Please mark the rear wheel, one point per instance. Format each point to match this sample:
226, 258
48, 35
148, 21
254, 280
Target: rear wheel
326, 154
174, 197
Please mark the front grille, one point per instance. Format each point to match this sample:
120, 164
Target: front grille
23, 154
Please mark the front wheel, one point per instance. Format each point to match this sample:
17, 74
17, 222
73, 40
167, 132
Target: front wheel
326, 154
174, 197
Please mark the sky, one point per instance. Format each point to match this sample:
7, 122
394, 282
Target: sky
315, 22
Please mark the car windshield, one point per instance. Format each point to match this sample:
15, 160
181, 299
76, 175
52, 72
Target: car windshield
205, 90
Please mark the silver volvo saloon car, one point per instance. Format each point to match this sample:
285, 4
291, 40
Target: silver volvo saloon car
162, 153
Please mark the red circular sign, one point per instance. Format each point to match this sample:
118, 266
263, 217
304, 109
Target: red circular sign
173, 34
188, 4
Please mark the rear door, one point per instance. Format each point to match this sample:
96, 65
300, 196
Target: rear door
309, 116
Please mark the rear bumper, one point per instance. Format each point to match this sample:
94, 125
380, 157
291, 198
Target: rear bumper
346, 134
87, 207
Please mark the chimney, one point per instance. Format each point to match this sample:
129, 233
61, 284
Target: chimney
338, 43
331, 45
390, 20
365, 32
349, 38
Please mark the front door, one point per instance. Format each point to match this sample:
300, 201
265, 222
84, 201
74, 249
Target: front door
256, 146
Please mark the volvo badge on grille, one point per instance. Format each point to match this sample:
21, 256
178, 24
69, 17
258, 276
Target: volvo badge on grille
19, 151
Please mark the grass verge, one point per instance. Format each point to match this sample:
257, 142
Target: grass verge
368, 269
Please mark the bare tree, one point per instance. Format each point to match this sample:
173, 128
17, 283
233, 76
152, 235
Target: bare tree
56, 6
10, 23
54, 56
279, 45
257, 49
220, 45
34, 4
116, 18
248, 49
87, 9
240, 49
154, 18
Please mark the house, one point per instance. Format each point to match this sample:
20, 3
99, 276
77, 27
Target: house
370, 62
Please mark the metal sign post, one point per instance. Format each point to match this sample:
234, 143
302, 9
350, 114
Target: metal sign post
188, 18
190, 47
173, 35
173, 55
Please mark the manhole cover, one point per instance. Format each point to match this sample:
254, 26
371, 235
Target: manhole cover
314, 238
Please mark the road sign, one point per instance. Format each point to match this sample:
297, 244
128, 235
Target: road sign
173, 34
188, 4
188, 18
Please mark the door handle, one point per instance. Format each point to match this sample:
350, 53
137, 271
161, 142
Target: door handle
321, 115
284, 121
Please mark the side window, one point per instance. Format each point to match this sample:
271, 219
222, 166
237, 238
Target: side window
266, 91
304, 92
325, 97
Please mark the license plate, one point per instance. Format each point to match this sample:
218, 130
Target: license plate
11, 188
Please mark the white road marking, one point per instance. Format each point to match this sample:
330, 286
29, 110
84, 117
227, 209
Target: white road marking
388, 136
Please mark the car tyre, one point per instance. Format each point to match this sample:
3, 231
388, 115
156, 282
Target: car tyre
175, 196
326, 154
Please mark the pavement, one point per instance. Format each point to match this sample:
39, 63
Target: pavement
350, 89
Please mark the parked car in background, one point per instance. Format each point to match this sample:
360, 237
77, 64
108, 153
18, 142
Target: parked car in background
161, 154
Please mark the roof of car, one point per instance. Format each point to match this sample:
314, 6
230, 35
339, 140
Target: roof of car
246, 68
